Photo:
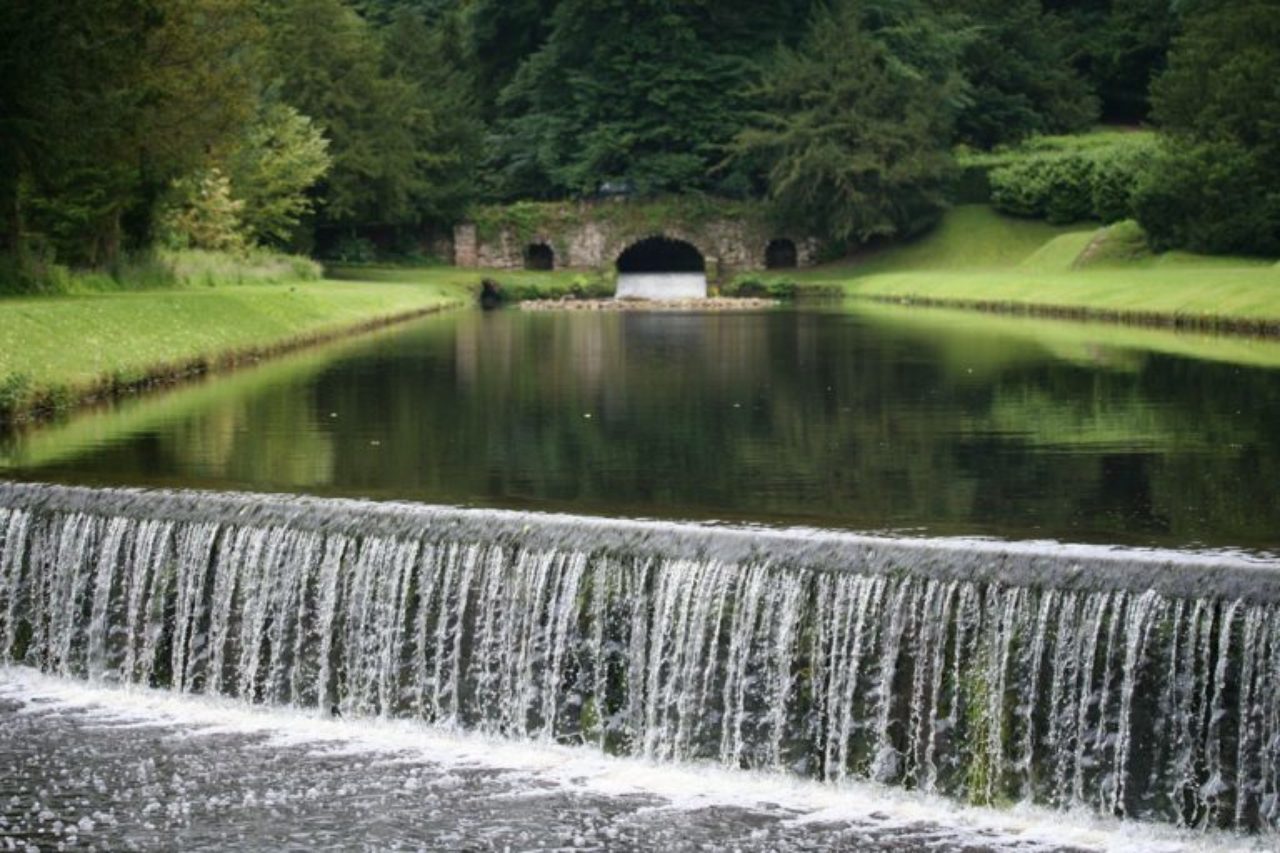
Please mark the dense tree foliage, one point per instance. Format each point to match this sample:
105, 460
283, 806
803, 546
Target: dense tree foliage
1118, 46
107, 102
391, 113
203, 122
1216, 187
635, 94
855, 123
221, 122
1019, 71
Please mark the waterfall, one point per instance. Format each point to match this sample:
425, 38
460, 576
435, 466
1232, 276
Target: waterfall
662, 285
1141, 684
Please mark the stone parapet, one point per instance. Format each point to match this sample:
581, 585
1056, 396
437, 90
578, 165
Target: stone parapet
592, 236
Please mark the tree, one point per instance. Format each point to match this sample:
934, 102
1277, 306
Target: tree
1020, 74
627, 93
280, 157
447, 129
111, 101
855, 125
1217, 186
499, 36
326, 60
1118, 46
203, 214
394, 119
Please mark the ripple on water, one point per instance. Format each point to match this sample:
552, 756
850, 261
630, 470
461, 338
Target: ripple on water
88, 767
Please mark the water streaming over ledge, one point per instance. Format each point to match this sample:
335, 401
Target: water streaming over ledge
662, 285
1143, 684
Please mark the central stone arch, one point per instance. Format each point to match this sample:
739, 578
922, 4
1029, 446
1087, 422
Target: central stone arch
661, 254
661, 267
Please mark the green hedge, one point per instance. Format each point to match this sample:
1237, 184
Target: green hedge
1065, 184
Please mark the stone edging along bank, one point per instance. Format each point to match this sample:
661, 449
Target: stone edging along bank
43, 403
710, 304
1262, 327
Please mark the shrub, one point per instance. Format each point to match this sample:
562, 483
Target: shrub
15, 395
1064, 183
745, 288
196, 267
353, 249
754, 288
1123, 242
1116, 172
156, 271
146, 271
33, 273
1057, 187
1214, 198
591, 287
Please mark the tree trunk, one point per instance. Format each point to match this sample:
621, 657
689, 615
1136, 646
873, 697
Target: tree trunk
11, 202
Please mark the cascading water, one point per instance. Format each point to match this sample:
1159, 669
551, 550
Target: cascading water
1141, 684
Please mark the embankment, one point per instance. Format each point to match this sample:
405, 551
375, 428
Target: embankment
58, 352
979, 259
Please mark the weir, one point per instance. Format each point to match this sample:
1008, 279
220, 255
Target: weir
1136, 683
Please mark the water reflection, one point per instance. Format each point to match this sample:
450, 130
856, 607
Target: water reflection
865, 418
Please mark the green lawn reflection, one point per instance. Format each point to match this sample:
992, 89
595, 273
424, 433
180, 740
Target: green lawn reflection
861, 416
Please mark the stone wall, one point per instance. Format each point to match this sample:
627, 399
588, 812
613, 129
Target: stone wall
590, 239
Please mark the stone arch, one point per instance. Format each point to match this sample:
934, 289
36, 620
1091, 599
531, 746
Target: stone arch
661, 267
660, 254
539, 256
781, 254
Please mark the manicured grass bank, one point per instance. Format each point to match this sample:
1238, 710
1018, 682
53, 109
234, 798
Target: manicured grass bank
1239, 300
57, 351
979, 259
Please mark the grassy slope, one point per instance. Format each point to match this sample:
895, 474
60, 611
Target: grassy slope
969, 237
78, 341
979, 256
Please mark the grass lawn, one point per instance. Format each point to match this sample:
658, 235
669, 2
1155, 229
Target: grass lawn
978, 256
1243, 294
970, 236
72, 344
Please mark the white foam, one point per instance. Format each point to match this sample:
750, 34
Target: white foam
662, 285
579, 768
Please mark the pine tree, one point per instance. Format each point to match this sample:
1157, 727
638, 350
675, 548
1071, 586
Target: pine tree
626, 93
856, 124
1217, 186
1020, 74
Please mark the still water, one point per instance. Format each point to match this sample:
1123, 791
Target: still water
858, 417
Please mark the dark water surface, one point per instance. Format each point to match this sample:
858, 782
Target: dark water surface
861, 417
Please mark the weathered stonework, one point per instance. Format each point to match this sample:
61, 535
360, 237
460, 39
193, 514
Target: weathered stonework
592, 238
465, 247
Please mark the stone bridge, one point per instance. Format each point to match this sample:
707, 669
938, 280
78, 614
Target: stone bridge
595, 236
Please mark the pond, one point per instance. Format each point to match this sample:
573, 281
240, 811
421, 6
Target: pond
859, 416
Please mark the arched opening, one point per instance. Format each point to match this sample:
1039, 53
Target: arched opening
658, 254
780, 255
661, 268
539, 256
